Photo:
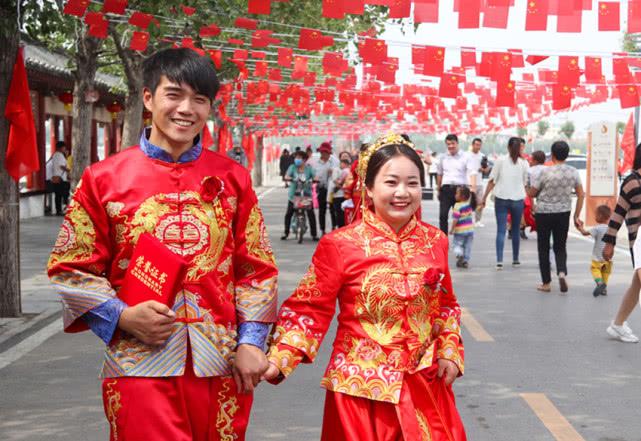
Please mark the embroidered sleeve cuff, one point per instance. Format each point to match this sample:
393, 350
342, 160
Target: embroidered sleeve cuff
450, 347
285, 358
103, 319
253, 333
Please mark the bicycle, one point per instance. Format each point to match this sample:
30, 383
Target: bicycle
301, 204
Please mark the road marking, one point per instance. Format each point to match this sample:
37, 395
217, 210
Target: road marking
550, 416
474, 327
266, 192
29, 344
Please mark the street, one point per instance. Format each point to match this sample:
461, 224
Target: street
539, 367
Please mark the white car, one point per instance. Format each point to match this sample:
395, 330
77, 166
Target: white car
580, 162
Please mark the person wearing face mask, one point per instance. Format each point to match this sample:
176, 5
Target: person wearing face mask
398, 347
238, 155
299, 174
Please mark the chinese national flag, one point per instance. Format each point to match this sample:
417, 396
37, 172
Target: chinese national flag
399, 8
448, 88
209, 31
313, 40
536, 18
275, 75
207, 139
387, 71
22, 149
628, 95
373, 51
140, 19
569, 72
309, 79
139, 41
502, 67
246, 23
505, 92
334, 9
76, 7
285, 56
536, 59
569, 23
561, 97
627, 146
426, 11
634, 16
115, 6
593, 70
216, 56
495, 16
300, 68
259, 7
609, 16
434, 61
260, 69
354, 7
469, 14
468, 57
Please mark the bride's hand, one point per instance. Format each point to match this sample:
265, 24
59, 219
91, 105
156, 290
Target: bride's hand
271, 373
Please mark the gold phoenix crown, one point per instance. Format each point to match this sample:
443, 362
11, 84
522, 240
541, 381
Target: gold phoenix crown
382, 141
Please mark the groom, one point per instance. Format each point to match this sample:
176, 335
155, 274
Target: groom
184, 370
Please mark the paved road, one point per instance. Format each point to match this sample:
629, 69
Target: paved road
539, 367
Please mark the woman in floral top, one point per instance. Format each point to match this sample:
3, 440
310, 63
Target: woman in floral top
398, 346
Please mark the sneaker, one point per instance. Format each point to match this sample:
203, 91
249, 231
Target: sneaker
479, 224
284, 237
598, 291
315, 238
605, 290
464, 264
563, 284
523, 235
459, 261
516, 263
622, 333
499, 266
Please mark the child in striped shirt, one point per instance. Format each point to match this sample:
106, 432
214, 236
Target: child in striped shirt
462, 227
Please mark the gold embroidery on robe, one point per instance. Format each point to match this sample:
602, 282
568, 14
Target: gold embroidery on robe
227, 408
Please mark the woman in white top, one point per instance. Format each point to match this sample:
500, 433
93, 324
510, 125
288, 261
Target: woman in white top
508, 180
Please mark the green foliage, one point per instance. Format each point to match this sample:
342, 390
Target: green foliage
521, 131
567, 129
542, 127
620, 127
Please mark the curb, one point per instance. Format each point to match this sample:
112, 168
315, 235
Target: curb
15, 335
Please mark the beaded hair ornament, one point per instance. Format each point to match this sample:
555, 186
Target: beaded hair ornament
365, 156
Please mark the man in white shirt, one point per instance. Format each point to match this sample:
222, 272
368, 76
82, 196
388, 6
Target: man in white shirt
56, 176
323, 172
454, 169
476, 157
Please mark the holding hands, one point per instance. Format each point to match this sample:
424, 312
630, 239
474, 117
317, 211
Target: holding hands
250, 365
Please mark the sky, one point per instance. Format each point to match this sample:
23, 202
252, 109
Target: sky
445, 33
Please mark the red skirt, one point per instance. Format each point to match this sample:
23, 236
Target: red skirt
426, 412
185, 408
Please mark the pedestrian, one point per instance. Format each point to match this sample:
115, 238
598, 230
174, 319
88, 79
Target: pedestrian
508, 180
57, 178
340, 177
454, 169
628, 209
238, 154
398, 346
553, 191
600, 268
285, 161
433, 169
172, 371
476, 158
323, 173
301, 177
462, 227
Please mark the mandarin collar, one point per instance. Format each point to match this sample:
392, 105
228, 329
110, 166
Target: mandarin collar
154, 152
374, 221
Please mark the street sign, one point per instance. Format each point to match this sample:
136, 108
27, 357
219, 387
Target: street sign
602, 177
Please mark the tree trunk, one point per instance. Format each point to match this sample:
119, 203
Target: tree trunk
132, 63
9, 197
258, 162
85, 74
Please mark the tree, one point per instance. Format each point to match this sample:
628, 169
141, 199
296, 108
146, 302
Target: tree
542, 127
521, 131
620, 127
567, 129
9, 196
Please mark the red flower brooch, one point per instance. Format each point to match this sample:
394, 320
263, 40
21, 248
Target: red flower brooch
210, 188
432, 278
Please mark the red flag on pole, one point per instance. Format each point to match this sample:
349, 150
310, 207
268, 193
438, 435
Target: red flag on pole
22, 148
627, 146
609, 17
536, 18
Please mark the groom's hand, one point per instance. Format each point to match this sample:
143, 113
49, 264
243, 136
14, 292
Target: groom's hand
271, 373
250, 364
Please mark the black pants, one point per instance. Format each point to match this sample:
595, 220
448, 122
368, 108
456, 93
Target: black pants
432, 179
447, 199
61, 194
321, 193
557, 225
310, 216
338, 211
